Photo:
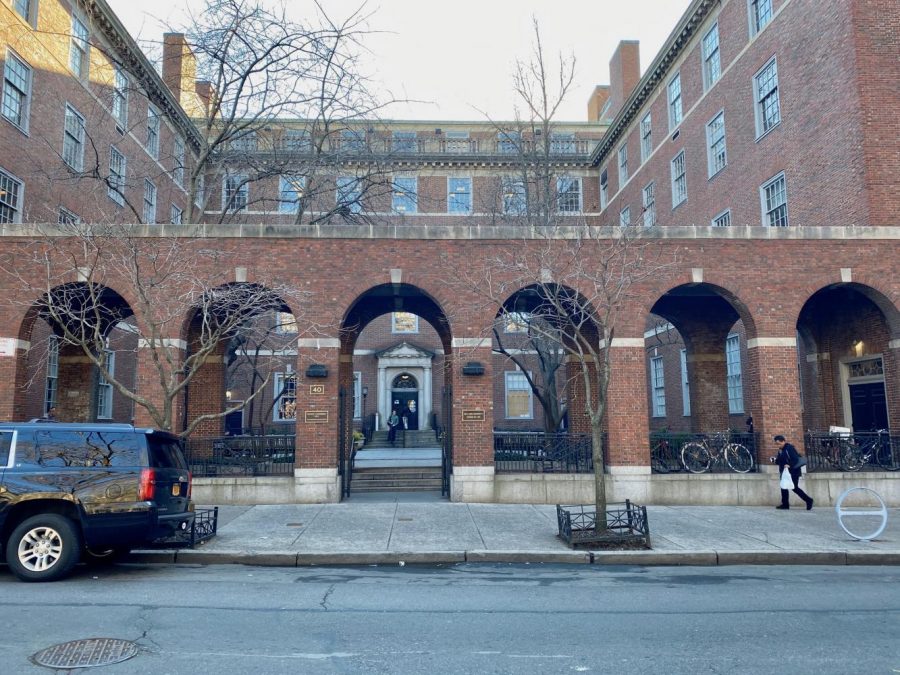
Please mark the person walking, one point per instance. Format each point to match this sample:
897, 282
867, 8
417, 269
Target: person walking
788, 459
393, 421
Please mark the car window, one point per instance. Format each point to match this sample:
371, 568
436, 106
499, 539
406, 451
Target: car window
165, 452
5, 446
88, 448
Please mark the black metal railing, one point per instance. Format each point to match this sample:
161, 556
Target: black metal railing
241, 455
539, 452
204, 527
706, 452
849, 451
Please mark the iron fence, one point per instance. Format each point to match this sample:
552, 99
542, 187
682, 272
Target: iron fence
848, 451
241, 455
539, 452
715, 452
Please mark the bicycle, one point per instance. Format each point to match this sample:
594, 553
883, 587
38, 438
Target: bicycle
698, 456
664, 457
855, 455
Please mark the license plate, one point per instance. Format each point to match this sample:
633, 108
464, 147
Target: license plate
176, 489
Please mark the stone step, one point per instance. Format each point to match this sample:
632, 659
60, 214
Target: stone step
395, 488
396, 474
396, 479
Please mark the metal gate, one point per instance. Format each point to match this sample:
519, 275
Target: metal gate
345, 447
447, 441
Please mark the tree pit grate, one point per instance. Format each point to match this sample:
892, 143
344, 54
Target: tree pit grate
86, 653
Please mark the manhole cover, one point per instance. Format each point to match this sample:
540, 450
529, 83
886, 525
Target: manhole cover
86, 653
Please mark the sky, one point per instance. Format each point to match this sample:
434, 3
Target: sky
455, 61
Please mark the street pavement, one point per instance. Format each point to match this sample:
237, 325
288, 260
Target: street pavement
402, 529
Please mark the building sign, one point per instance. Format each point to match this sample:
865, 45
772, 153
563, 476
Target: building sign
316, 416
7, 346
316, 389
473, 415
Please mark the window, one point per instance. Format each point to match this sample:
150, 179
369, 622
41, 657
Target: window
357, 395
178, 162
733, 366
716, 158
244, 143
648, 202
120, 99
765, 89
515, 199
568, 194
349, 194
290, 192
352, 140
712, 66
149, 201
176, 215
295, 139
625, 217
235, 193
285, 397
66, 217
16, 91
518, 396
508, 142
200, 195
459, 195
10, 199
404, 141
679, 180
153, 132
723, 219
604, 189
457, 142
675, 102
773, 194
404, 198
286, 323
404, 322
27, 9
685, 386
73, 139
116, 185
623, 166
562, 144
516, 322
760, 15
646, 138
658, 386
51, 383
104, 388
78, 48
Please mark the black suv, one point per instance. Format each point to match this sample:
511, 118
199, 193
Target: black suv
92, 489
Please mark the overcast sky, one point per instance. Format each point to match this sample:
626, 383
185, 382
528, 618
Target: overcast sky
456, 60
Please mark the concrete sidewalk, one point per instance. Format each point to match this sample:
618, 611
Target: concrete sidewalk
395, 532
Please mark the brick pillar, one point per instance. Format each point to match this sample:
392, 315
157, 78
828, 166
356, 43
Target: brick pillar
708, 375
891, 362
473, 420
75, 398
579, 421
627, 418
774, 391
146, 383
14, 379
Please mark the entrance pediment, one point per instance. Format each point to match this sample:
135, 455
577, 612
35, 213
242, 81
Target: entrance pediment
405, 351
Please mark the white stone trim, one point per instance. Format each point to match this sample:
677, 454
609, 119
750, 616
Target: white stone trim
846, 274
240, 274
823, 356
752, 343
477, 343
319, 343
659, 330
9, 346
623, 342
894, 344
628, 470
396, 275
164, 343
697, 275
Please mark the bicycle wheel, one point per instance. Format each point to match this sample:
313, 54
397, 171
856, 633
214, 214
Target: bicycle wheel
888, 458
695, 457
851, 457
738, 457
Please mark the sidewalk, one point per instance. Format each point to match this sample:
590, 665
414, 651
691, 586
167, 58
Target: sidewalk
366, 533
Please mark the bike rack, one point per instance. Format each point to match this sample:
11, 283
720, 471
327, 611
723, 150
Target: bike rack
843, 513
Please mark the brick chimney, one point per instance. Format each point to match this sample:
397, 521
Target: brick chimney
179, 72
596, 103
624, 74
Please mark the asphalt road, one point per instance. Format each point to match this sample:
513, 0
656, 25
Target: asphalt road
466, 619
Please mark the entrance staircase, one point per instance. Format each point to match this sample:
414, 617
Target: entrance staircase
413, 464
411, 438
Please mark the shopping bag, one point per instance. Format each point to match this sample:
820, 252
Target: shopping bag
787, 483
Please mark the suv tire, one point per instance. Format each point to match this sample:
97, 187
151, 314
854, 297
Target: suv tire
43, 548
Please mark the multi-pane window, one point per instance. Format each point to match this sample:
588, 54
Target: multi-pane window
27, 9
73, 139
604, 189
658, 386
518, 396
120, 99
685, 386
515, 199
674, 101
404, 322
568, 194
723, 219
176, 215
646, 138
773, 194
286, 323
733, 368
116, 184
244, 143
459, 195
648, 202
623, 166
625, 217
153, 132
78, 47
404, 141
508, 142
105, 387
760, 14
10, 199
295, 139
562, 144
178, 161
516, 322
357, 395
457, 142
285, 397
404, 197
51, 382
712, 65
715, 144
235, 193
149, 201
66, 217
768, 108
349, 194
353, 140
290, 192
16, 91
679, 180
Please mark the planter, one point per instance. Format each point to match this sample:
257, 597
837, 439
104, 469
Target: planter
626, 526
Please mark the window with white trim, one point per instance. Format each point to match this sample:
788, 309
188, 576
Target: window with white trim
17, 78
519, 398
27, 9
349, 194
246, 142
716, 156
623, 165
723, 219
105, 388
178, 161
568, 194
646, 138
200, 194
290, 191
152, 132
625, 217
295, 139
773, 195
459, 196
285, 409
235, 193
353, 140
73, 139
679, 180
404, 322
658, 386
286, 323
733, 368
457, 142
78, 47
685, 386
176, 215
508, 142
404, 196
648, 203
604, 189
712, 65
51, 381
765, 91
116, 185
404, 141
149, 201
562, 144
357, 395
10, 198
515, 199
120, 99
674, 91
760, 14
66, 217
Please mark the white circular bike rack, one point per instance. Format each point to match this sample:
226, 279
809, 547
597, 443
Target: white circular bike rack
847, 513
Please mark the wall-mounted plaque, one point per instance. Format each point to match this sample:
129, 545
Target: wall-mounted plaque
316, 389
473, 415
316, 416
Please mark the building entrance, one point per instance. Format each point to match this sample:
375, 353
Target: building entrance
405, 399
868, 406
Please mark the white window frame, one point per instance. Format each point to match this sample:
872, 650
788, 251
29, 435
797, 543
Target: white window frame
235, 191
658, 386
66, 217
514, 196
73, 138
625, 216
515, 377
79, 47
648, 204
51, 380
623, 165
357, 395
116, 185
200, 194
178, 161
685, 385
119, 108
153, 129
722, 219
459, 202
679, 179
105, 388
290, 191
604, 189
7, 205
716, 145
176, 215
759, 14
646, 132
564, 194
288, 396
711, 57
150, 201
762, 98
405, 194
770, 218
396, 325
20, 86
734, 375
673, 92
404, 141
30, 13
286, 323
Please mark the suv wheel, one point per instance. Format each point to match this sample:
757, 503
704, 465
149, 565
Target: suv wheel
43, 548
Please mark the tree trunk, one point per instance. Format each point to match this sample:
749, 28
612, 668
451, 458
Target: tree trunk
599, 478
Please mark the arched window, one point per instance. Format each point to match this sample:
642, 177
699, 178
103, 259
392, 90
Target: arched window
405, 381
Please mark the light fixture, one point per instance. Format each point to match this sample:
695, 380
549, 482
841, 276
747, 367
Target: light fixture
228, 394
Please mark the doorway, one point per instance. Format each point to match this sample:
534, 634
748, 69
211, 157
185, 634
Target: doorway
405, 398
868, 406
